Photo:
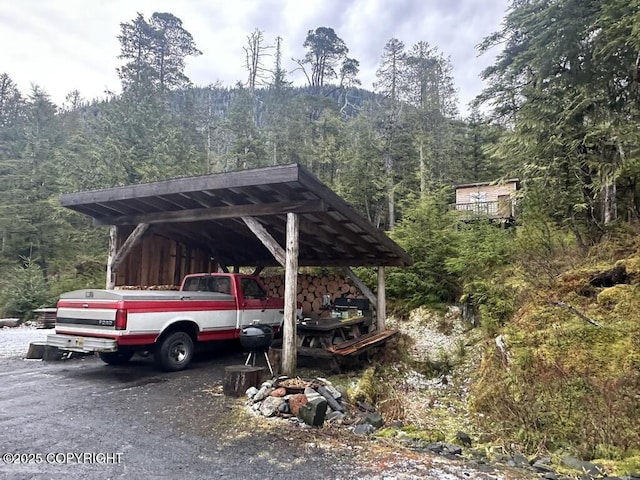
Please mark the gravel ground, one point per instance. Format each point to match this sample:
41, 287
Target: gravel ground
14, 342
173, 425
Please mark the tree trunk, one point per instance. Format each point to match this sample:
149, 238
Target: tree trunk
423, 171
610, 206
388, 165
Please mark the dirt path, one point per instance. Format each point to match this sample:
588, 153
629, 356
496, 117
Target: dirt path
174, 425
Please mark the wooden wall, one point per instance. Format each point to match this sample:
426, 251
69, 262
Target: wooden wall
492, 192
158, 261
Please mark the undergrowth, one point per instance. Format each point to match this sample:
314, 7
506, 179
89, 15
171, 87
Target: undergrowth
567, 376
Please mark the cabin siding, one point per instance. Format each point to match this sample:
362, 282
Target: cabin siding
495, 201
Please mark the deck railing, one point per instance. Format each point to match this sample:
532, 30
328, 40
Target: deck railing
492, 209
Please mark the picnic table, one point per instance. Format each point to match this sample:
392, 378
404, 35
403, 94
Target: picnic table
323, 332
339, 342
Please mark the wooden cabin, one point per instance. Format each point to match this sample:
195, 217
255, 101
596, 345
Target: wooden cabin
495, 200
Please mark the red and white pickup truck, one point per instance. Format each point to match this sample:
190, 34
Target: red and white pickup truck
117, 323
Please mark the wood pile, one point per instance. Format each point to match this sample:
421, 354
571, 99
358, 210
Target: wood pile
311, 289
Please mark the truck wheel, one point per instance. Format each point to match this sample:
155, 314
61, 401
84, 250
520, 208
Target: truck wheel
116, 358
174, 352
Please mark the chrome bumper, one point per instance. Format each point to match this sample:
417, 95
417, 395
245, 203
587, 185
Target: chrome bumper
77, 343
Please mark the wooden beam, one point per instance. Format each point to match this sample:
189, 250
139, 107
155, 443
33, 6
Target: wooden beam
113, 249
363, 288
290, 296
267, 240
381, 310
128, 245
258, 176
216, 213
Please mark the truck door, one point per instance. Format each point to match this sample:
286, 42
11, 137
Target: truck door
254, 304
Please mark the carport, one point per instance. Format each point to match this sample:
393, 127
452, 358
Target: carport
281, 215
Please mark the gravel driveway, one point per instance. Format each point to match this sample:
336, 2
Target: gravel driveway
79, 418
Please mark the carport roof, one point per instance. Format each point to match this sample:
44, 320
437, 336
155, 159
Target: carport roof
207, 212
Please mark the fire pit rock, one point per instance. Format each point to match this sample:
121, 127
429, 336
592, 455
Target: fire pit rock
309, 401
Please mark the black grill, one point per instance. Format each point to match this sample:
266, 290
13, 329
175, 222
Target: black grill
256, 338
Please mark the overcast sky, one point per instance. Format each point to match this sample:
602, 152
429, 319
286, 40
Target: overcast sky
71, 44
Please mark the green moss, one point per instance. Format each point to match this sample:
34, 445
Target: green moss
632, 266
628, 465
619, 296
567, 384
387, 432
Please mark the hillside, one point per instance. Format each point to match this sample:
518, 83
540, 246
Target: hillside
561, 377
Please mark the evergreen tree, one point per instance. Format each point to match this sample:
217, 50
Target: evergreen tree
566, 78
325, 53
155, 52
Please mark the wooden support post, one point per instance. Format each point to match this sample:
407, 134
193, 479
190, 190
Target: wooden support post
113, 249
290, 297
361, 286
267, 240
381, 310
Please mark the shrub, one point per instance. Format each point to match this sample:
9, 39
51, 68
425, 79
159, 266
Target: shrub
25, 290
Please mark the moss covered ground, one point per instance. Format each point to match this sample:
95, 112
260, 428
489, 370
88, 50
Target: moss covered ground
560, 377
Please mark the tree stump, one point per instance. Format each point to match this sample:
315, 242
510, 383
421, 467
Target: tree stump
52, 354
238, 379
36, 350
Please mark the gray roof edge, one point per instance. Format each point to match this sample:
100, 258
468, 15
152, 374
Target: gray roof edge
214, 181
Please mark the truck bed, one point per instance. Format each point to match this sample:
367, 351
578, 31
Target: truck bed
142, 295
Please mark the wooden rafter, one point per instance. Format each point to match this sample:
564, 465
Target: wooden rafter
216, 213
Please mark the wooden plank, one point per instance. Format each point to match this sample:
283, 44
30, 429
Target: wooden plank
290, 294
216, 213
363, 343
268, 241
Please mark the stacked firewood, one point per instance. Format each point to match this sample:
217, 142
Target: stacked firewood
311, 289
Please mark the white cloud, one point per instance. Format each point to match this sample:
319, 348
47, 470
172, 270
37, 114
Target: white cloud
72, 44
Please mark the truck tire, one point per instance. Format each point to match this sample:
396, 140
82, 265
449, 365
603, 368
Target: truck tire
116, 358
174, 352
